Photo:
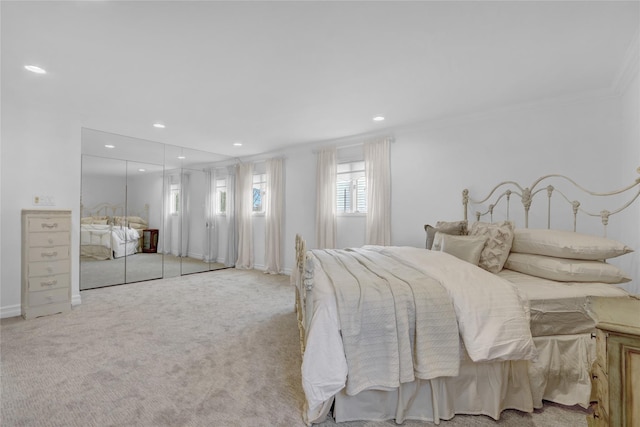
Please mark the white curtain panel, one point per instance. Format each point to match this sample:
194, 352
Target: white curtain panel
378, 179
185, 213
210, 237
326, 199
244, 210
232, 235
165, 236
273, 216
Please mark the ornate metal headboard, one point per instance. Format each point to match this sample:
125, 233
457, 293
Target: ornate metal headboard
506, 189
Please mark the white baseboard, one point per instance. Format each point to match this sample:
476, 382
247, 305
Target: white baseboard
16, 310
10, 311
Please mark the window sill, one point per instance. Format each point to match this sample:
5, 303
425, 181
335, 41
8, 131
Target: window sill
352, 214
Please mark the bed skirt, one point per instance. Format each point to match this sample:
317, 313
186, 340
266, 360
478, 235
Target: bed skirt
560, 374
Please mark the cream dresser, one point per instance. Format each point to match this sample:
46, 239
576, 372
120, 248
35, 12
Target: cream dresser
616, 372
46, 262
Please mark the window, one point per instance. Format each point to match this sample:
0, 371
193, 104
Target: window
259, 191
351, 188
221, 196
175, 199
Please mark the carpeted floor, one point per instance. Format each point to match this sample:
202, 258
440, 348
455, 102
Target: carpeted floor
211, 349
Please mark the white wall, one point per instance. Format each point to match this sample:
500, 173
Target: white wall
40, 156
97, 189
431, 165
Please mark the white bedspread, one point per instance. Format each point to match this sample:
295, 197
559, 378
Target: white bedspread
492, 317
397, 323
114, 238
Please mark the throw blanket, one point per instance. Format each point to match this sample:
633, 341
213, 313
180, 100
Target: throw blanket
492, 316
397, 323
402, 312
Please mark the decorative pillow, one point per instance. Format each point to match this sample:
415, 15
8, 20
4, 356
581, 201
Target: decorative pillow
467, 248
564, 269
457, 228
499, 239
566, 244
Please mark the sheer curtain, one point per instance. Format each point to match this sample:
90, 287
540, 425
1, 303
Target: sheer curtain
378, 178
326, 198
273, 216
244, 210
185, 214
232, 235
210, 238
167, 217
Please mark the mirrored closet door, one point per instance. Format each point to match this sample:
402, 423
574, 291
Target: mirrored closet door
148, 211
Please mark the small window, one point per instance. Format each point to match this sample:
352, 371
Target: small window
221, 196
259, 192
174, 207
351, 188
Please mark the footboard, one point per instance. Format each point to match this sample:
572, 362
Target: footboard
302, 279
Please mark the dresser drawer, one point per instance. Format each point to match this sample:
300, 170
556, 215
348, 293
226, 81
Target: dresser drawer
48, 239
48, 254
36, 269
42, 224
49, 282
48, 297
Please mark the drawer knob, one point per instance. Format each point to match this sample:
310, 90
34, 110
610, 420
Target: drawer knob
49, 283
49, 254
51, 225
50, 240
593, 335
594, 376
49, 299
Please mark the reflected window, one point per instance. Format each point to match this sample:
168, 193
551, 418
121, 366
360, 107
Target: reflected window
175, 199
221, 196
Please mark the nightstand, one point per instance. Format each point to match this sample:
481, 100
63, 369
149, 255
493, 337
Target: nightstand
150, 240
616, 371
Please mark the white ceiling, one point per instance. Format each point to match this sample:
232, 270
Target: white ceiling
272, 74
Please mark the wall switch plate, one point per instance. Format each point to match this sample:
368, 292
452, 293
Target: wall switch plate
44, 201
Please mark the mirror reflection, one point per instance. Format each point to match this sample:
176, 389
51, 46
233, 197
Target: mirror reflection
147, 210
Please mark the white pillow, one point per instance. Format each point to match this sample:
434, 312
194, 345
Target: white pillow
565, 270
467, 248
499, 239
566, 244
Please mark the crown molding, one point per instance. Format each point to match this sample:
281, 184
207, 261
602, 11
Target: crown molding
493, 113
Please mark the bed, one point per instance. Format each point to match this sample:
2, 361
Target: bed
105, 233
423, 333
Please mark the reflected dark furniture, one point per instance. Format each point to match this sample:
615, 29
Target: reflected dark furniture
150, 240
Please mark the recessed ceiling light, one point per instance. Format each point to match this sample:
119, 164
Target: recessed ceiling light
110, 146
159, 125
181, 157
237, 144
378, 118
142, 170
35, 69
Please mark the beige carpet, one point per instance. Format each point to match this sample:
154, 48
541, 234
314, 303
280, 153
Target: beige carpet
211, 349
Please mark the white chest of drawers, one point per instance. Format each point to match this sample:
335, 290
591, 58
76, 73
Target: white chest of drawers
46, 262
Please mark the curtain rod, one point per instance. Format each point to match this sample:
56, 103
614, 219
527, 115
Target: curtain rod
392, 140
